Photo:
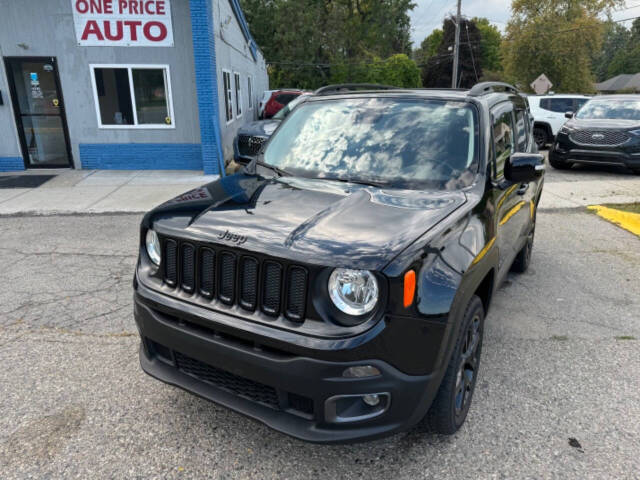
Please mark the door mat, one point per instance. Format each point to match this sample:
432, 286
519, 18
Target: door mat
24, 181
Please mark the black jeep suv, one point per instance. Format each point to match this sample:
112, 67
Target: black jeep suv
336, 289
605, 131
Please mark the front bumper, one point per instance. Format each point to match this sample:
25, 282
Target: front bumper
302, 396
565, 151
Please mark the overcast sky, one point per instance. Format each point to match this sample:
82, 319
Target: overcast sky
429, 14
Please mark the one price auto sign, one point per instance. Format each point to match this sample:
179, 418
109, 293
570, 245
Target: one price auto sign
123, 23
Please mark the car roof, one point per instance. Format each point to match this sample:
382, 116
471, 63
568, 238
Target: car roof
491, 98
619, 96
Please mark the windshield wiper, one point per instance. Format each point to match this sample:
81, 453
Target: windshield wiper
251, 168
371, 183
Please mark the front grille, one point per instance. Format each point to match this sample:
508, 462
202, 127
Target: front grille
233, 278
240, 386
249, 145
609, 138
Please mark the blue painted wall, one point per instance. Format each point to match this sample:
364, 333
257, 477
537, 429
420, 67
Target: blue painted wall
11, 164
204, 53
141, 156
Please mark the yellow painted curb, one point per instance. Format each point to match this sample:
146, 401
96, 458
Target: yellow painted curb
628, 220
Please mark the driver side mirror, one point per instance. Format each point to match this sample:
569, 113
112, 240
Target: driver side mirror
524, 167
568, 114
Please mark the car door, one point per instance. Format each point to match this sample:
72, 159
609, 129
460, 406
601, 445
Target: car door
507, 198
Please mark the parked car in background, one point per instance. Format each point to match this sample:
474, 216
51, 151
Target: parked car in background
278, 100
548, 114
252, 136
263, 101
605, 131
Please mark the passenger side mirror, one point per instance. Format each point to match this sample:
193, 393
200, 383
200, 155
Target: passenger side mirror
524, 167
568, 114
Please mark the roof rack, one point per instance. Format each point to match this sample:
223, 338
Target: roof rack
489, 87
338, 88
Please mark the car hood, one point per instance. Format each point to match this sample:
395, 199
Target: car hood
260, 128
600, 124
314, 221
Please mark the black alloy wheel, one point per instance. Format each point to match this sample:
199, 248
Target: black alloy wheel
540, 137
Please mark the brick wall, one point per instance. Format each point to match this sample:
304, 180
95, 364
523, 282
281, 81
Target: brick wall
141, 156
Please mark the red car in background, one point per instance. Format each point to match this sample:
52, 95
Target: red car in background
278, 100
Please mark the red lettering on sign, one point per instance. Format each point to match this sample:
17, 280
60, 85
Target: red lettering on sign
148, 7
160, 7
162, 34
107, 30
107, 6
82, 6
91, 28
133, 28
96, 6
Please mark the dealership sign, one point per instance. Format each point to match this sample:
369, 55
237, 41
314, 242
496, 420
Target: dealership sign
123, 23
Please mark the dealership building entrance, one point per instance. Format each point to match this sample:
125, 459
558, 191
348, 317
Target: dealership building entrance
125, 84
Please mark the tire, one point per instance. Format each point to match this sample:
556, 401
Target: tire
451, 405
523, 259
559, 165
636, 171
541, 137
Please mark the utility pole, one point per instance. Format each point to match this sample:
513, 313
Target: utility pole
456, 49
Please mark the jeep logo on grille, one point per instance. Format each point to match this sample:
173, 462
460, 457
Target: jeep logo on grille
232, 237
597, 136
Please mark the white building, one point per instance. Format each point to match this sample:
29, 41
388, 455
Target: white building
125, 84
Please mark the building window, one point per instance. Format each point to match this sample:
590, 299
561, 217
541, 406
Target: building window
236, 81
226, 76
250, 91
132, 96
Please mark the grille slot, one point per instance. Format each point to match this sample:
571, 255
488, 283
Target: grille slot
207, 272
171, 263
271, 288
188, 267
227, 277
249, 145
296, 293
249, 283
609, 138
240, 386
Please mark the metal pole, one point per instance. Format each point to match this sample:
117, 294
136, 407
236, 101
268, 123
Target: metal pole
456, 49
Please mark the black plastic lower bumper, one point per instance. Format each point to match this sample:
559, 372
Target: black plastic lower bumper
303, 397
560, 152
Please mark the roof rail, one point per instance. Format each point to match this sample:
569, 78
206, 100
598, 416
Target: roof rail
488, 87
329, 89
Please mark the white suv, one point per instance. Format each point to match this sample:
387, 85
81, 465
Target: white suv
548, 114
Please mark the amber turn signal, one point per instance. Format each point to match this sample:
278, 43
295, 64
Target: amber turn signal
409, 287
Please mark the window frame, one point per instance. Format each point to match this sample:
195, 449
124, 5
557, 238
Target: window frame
250, 91
497, 112
130, 67
227, 97
237, 90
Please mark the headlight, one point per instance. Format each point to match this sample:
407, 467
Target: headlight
635, 132
354, 292
566, 130
153, 246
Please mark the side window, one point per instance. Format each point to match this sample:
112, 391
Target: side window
545, 104
579, 102
521, 130
503, 140
226, 76
562, 105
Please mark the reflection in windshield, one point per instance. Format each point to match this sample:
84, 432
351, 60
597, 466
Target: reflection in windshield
407, 142
284, 111
610, 109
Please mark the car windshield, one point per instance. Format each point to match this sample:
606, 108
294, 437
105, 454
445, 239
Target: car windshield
404, 142
288, 107
610, 109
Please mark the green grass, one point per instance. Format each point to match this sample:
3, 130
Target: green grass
559, 338
625, 207
626, 337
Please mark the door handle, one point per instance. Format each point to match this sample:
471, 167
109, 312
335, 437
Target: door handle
523, 189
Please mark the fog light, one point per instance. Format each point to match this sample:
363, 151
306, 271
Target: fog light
372, 400
361, 371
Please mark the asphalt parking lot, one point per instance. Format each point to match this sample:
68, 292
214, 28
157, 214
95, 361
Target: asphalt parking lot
557, 395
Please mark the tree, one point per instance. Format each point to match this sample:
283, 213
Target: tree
490, 39
439, 68
615, 41
428, 47
554, 37
308, 42
623, 56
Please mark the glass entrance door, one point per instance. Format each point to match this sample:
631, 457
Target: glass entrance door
37, 102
